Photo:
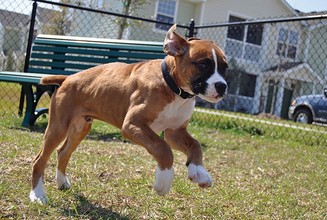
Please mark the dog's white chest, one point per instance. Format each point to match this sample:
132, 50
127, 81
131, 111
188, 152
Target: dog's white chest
173, 115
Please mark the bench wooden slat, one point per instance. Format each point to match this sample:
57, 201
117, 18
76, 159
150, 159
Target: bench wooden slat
87, 59
52, 71
105, 57
61, 65
85, 51
66, 55
19, 77
108, 45
63, 50
98, 40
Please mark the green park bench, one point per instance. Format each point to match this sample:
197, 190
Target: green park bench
66, 55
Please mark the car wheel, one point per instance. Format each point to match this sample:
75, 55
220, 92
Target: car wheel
303, 116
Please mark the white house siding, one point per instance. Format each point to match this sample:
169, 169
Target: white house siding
90, 24
186, 11
145, 30
269, 57
217, 11
317, 57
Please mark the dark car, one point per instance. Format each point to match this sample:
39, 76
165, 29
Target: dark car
309, 108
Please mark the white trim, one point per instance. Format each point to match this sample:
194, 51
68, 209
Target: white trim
244, 40
154, 29
288, 74
289, 7
307, 43
322, 24
202, 9
176, 10
239, 15
287, 42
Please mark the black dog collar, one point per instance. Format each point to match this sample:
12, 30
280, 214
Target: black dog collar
171, 83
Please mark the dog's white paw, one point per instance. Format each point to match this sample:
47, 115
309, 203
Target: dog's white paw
62, 181
38, 194
164, 179
42, 199
197, 174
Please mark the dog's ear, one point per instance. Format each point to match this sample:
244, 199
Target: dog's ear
174, 44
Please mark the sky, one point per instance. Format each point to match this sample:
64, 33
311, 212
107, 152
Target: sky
25, 6
308, 5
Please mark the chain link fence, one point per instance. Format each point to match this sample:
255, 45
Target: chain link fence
271, 61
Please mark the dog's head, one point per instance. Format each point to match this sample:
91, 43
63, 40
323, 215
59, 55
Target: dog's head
200, 65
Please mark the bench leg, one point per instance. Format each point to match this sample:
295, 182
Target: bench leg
32, 99
30, 104
40, 90
21, 102
37, 113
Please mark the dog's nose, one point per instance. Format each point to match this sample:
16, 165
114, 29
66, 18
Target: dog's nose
220, 88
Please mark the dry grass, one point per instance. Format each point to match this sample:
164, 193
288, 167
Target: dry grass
255, 178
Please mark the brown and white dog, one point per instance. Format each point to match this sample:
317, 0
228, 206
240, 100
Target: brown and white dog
141, 99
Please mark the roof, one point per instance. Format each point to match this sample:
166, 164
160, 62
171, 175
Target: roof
296, 71
294, 11
13, 19
311, 13
284, 66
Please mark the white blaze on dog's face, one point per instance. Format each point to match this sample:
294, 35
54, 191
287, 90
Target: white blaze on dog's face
217, 86
202, 66
208, 79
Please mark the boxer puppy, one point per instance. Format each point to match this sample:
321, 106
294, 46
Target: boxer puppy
141, 99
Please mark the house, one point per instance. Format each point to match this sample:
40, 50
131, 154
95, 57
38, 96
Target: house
271, 63
13, 37
14, 28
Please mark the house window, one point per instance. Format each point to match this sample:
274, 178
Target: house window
247, 85
287, 43
241, 83
100, 4
165, 13
244, 41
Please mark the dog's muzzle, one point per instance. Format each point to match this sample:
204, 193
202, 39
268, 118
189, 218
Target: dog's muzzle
221, 88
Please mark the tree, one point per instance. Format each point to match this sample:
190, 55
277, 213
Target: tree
129, 8
60, 23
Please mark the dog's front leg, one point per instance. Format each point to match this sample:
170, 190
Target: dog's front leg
181, 140
143, 135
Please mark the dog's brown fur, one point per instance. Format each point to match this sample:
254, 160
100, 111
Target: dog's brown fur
128, 96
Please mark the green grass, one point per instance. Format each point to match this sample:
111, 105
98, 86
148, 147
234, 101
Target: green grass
256, 176
255, 125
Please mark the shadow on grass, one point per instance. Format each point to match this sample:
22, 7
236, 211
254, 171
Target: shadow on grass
85, 209
95, 134
112, 136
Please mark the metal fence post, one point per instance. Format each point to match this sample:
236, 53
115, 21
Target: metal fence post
30, 37
191, 32
28, 54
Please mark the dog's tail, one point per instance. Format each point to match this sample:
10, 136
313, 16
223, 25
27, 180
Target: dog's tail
54, 79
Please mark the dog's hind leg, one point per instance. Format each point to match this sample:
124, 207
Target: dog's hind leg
78, 129
52, 138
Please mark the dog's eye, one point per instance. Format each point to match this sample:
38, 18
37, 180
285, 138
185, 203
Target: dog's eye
204, 65
222, 69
